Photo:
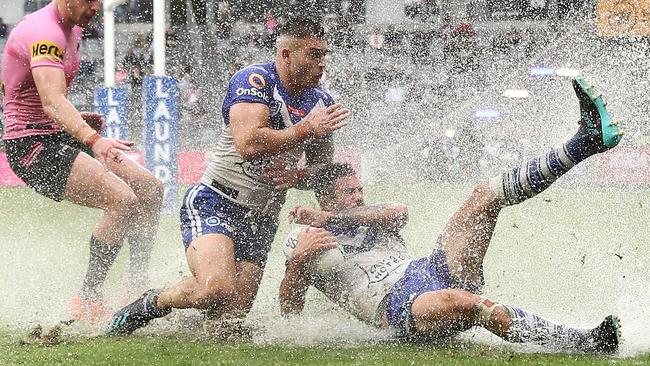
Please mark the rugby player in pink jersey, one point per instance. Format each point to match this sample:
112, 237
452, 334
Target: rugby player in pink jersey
59, 153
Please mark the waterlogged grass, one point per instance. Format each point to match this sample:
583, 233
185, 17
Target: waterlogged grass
172, 351
561, 255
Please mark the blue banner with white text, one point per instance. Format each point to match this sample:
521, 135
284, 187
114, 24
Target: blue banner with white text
161, 103
113, 104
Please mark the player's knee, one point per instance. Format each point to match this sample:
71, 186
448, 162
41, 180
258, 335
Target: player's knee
157, 188
483, 198
459, 302
125, 204
151, 192
155, 193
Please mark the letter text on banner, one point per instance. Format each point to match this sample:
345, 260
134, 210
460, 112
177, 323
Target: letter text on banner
160, 135
113, 104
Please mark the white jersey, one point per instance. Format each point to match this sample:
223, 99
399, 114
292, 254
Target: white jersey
242, 181
361, 271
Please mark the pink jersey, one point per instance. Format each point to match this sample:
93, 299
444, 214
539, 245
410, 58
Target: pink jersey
39, 39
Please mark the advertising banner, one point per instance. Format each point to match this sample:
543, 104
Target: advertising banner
161, 105
113, 104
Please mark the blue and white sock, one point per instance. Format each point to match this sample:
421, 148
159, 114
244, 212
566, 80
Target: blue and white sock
526, 327
534, 176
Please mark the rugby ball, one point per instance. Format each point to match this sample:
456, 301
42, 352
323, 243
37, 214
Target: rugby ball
328, 261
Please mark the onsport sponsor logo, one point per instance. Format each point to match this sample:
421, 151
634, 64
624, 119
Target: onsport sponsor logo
256, 80
215, 221
252, 92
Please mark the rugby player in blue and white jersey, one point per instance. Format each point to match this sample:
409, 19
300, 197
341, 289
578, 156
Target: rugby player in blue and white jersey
273, 113
354, 253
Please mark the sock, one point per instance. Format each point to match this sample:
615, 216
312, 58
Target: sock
526, 327
139, 257
534, 176
151, 305
102, 256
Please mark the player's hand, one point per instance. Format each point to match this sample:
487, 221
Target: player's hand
309, 216
311, 242
284, 178
106, 149
95, 120
324, 121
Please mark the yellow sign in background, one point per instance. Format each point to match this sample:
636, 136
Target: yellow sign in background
617, 18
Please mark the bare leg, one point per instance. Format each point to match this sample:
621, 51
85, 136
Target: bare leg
444, 313
249, 276
225, 321
467, 235
90, 185
142, 231
212, 262
213, 285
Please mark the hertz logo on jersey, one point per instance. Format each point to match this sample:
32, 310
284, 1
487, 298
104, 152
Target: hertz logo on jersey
256, 81
46, 50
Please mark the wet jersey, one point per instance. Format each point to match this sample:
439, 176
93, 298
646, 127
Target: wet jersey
242, 181
39, 39
361, 271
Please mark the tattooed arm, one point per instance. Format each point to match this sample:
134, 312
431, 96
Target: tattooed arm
389, 216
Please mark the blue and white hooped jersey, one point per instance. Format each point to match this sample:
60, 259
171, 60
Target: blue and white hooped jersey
360, 271
260, 83
242, 181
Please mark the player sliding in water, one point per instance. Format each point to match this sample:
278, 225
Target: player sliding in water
355, 255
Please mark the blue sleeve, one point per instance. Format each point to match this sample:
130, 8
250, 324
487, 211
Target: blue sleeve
249, 85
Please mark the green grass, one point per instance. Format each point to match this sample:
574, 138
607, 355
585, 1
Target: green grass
172, 351
573, 255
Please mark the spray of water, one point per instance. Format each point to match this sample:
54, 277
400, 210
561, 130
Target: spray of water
565, 269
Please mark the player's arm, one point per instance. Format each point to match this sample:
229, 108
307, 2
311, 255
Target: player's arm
95, 120
293, 288
296, 281
51, 85
318, 153
255, 139
393, 216
389, 216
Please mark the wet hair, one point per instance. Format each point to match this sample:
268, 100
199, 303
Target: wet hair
301, 27
324, 181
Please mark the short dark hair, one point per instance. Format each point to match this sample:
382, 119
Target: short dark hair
301, 27
324, 180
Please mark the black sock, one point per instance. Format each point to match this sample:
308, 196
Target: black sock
102, 256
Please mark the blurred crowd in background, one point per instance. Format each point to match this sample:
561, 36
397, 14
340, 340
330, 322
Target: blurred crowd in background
419, 83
